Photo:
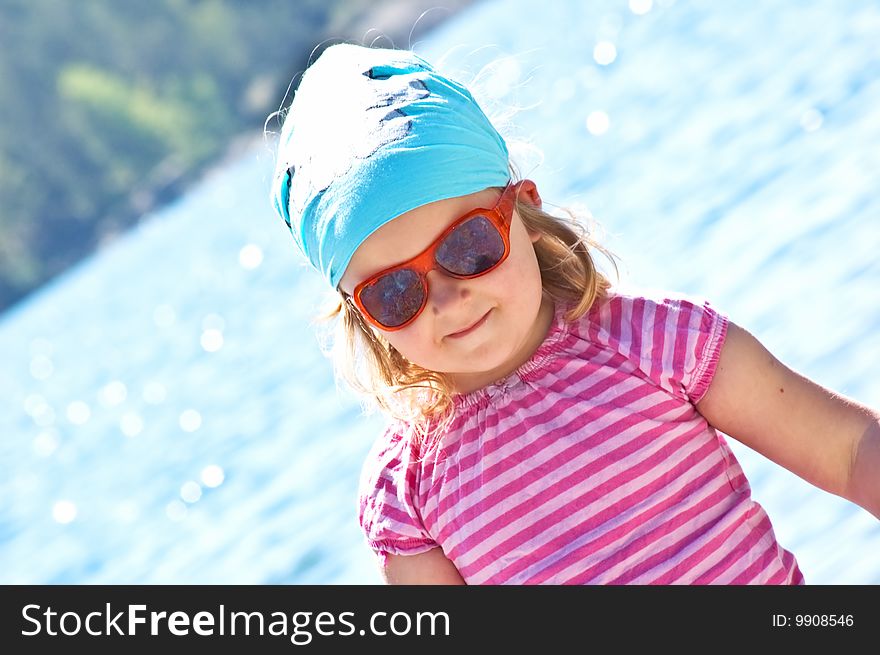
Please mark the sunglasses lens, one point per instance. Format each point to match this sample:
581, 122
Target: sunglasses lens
394, 298
473, 247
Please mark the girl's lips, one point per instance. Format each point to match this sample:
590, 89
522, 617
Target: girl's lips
467, 331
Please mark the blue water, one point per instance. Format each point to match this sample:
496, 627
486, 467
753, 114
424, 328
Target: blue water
167, 415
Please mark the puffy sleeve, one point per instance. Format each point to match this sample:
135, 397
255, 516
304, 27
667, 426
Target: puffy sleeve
673, 339
387, 494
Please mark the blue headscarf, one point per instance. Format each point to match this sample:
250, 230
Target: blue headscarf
371, 134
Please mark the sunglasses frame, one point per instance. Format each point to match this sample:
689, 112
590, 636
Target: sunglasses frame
501, 216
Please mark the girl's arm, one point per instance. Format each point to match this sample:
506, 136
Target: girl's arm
431, 567
825, 438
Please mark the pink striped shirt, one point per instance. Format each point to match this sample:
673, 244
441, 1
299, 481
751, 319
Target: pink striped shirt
587, 465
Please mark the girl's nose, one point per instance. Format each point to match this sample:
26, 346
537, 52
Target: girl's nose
445, 290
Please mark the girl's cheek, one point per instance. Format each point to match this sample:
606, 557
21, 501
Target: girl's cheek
407, 341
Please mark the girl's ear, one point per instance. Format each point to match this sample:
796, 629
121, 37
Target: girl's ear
528, 191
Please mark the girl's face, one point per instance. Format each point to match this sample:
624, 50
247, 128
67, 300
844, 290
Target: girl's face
476, 330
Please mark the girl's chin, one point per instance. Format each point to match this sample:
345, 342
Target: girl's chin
472, 379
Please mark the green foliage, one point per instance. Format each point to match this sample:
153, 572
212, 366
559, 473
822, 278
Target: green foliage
110, 107
130, 119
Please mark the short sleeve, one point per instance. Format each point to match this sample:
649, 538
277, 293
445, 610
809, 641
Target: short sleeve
674, 339
387, 491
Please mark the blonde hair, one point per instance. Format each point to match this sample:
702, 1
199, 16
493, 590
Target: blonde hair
422, 398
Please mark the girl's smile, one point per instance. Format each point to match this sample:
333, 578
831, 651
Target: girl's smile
468, 330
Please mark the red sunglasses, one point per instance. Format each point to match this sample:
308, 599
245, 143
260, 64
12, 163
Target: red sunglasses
473, 245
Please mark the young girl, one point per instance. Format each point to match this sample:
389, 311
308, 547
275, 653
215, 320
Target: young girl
545, 426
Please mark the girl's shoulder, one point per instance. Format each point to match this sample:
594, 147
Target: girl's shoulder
633, 308
393, 452
673, 338
392, 442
